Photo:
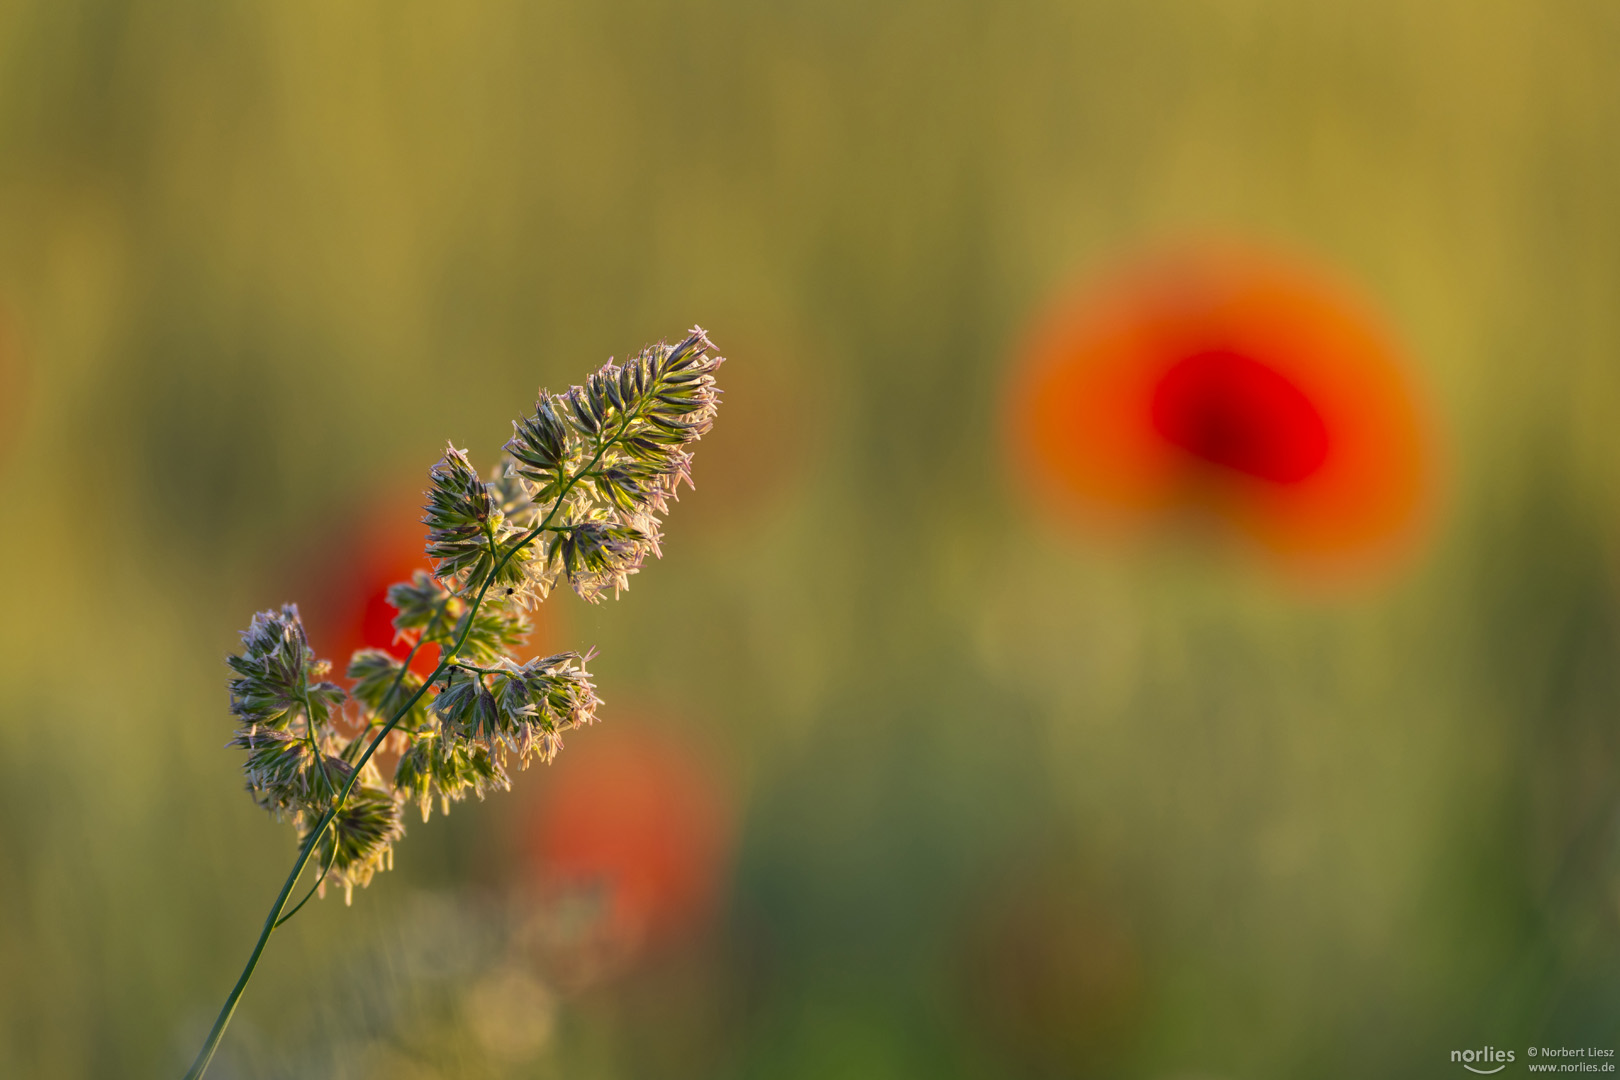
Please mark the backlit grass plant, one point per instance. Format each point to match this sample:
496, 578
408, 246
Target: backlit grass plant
577, 498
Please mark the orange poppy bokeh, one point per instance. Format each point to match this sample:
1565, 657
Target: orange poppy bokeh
1226, 384
644, 821
348, 608
345, 591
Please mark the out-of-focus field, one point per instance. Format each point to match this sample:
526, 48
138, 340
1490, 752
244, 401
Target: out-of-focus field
946, 786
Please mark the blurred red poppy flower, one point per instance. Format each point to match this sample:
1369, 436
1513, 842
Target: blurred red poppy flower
641, 819
348, 607
1229, 383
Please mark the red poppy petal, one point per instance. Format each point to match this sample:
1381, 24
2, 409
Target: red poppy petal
1229, 383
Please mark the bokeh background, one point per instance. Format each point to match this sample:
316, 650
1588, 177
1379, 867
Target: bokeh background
900, 774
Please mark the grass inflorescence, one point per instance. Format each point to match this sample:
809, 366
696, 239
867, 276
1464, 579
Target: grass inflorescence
577, 498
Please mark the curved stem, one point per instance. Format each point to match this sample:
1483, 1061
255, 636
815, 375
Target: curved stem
405, 667
464, 666
313, 889
206, 1054
315, 748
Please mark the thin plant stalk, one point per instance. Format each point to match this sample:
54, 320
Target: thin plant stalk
274, 919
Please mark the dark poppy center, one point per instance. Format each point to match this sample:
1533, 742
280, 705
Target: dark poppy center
1240, 414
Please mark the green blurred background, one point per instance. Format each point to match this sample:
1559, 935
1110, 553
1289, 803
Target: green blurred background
1003, 803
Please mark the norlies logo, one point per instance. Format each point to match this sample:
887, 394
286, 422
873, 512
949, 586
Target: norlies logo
1484, 1061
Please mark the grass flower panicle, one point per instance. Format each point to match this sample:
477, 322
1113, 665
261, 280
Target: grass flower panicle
579, 498
446, 769
360, 840
275, 669
611, 454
